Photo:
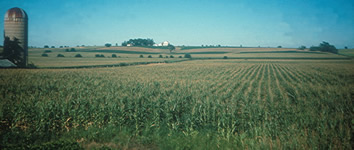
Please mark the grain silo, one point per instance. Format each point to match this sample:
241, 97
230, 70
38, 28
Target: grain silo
16, 26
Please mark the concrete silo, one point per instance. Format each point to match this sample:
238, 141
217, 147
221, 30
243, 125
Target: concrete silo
16, 26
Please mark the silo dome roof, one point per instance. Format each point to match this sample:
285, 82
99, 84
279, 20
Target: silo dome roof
16, 13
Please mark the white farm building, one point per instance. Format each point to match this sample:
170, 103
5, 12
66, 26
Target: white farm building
166, 43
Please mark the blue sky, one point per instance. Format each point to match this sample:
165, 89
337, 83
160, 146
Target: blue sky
289, 23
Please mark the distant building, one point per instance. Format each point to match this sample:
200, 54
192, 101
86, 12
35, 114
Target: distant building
166, 43
4, 63
129, 44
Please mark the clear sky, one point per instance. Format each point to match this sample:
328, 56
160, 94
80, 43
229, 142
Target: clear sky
289, 23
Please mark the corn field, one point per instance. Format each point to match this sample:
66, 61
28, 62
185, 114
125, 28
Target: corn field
201, 104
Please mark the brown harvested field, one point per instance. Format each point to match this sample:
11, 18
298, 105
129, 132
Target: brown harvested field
196, 50
236, 50
137, 49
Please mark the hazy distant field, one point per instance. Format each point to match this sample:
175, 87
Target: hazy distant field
131, 55
348, 52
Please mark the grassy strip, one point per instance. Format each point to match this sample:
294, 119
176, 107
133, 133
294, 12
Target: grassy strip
200, 47
117, 51
205, 53
154, 47
283, 52
289, 58
115, 65
192, 47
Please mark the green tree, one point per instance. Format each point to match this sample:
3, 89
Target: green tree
139, 42
171, 48
302, 47
325, 47
125, 43
108, 45
12, 51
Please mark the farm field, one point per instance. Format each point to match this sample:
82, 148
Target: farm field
130, 55
197, 104
44, 62
347, 52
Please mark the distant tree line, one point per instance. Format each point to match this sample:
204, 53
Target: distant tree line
325, 47
46, 46
139, 42
209, 45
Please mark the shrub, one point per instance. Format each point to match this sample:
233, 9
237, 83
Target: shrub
314, 48
172, 56
187, 56
179, 56
141, 56
47, 51
166, 56
67, 50
45, 55
99, 55
302, 47
31, 65
78, 55
60, 55
279, 47
72, 50
149, 56
114, 56
108, 45
160, 56
225, 57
